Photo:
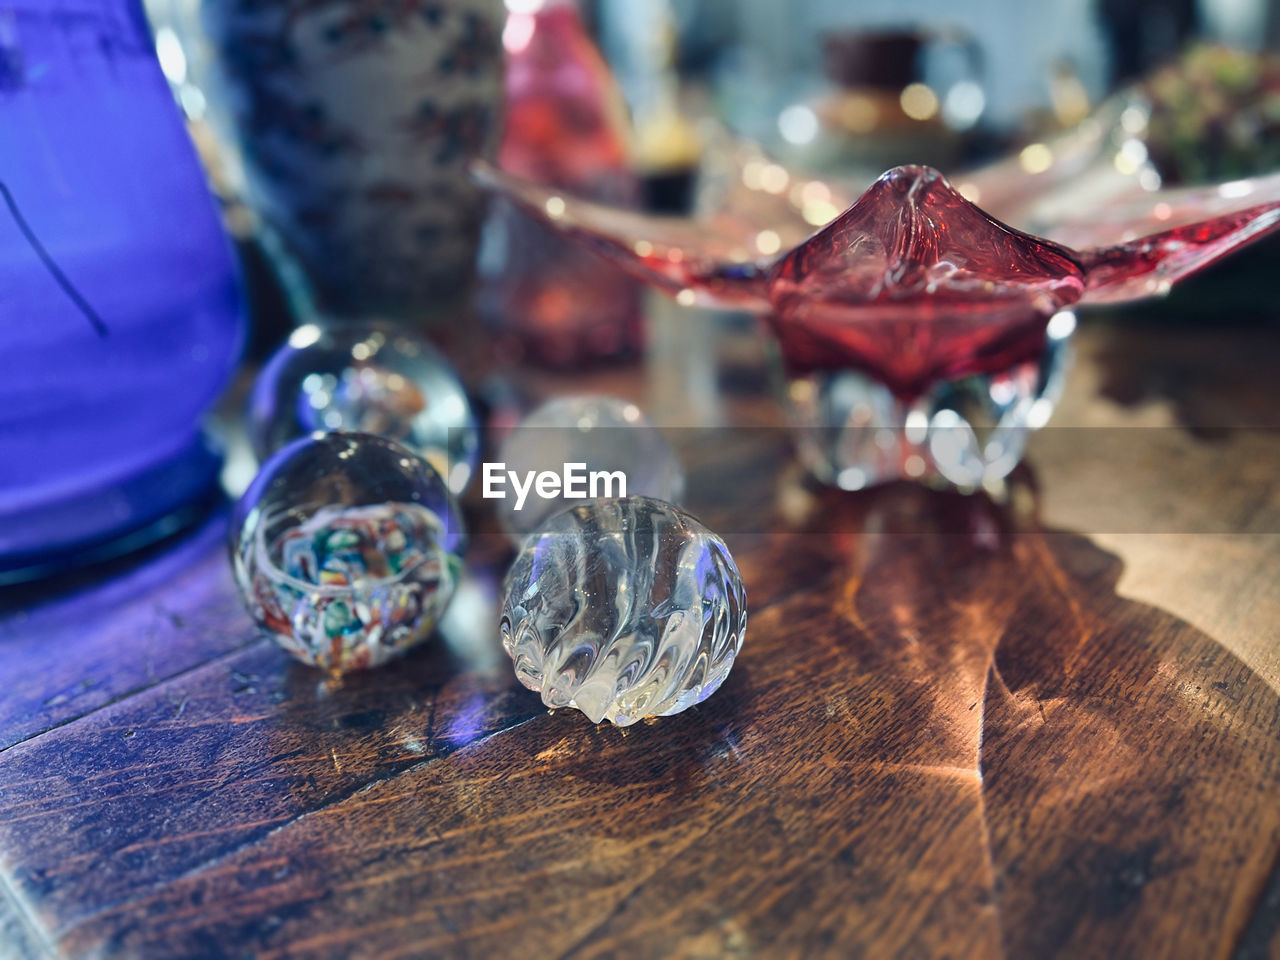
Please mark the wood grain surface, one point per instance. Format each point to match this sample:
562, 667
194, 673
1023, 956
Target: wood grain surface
1039, 723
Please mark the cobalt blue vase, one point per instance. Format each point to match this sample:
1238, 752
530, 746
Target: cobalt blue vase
120, 310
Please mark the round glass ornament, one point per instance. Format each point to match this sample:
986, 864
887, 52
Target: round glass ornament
346, 549
623, 609
371, 378
606, 435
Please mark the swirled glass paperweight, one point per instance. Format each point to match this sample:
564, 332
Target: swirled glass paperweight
916, 307
366, 378
623, 609
346, 549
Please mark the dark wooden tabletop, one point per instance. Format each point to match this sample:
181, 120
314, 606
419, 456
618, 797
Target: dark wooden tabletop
1041, 723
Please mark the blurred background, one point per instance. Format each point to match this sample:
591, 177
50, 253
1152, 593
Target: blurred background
340, 138
837, 89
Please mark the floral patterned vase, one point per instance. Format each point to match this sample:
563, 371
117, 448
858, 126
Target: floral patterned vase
354, 121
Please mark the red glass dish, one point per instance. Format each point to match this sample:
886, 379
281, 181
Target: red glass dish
913, 282
924, 329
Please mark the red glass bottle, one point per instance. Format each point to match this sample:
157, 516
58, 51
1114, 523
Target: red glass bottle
565, 127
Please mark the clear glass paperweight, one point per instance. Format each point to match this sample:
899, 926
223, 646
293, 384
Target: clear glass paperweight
603, 435
368, 378
347, 548
623, 609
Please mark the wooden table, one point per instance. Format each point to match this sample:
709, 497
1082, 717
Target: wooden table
1044, 725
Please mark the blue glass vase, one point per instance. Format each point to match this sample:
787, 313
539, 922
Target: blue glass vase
120, 311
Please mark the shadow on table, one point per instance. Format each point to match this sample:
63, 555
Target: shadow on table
961, 721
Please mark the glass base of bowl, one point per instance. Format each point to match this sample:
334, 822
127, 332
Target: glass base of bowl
854, 432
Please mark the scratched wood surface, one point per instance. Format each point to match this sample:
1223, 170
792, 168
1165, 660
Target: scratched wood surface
1045, 724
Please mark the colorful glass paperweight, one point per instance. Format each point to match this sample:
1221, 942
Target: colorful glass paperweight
367, 378
926, 296
118, 296
346, 549
599, 435
623, 609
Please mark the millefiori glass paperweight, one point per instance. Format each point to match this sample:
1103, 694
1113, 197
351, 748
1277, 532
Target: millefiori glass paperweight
367, 378
604, 435
346, 549
624, 609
